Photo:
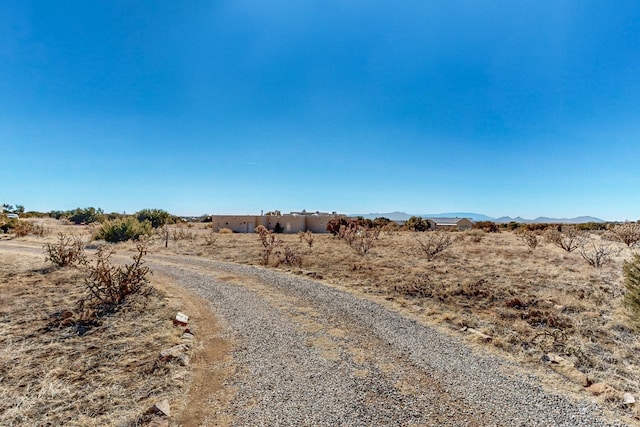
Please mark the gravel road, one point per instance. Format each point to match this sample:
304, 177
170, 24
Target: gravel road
311, 355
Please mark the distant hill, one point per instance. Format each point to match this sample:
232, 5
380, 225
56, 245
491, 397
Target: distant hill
544, 219
472, 216
403, 216
393, 216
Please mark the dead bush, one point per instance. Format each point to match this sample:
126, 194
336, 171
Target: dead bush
40, 230
69, 250
360, 238
433, 243
475, 236
225, 230
291, 257
627, 233
529, 238
163, 233
109, 285
597, 255
306, 236
568, 239
269, 242
181, 234
210, 239
22, 228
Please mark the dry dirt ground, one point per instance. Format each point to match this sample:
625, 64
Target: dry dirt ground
529, 302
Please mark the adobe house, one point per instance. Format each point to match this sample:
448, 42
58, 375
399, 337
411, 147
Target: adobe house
288, 223
458, 224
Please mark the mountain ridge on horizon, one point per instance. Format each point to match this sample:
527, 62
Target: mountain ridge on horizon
403, 216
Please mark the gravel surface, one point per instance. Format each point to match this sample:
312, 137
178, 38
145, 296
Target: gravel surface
313, 355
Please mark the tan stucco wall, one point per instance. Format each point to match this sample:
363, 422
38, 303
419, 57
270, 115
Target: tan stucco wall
237, 223
289, 223
318, 223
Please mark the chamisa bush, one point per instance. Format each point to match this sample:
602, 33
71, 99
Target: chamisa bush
631, 271
121, 230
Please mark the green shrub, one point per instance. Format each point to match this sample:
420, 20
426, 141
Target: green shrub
121, 230
631, 271
415, 223
157, 217
86, 215
7, 224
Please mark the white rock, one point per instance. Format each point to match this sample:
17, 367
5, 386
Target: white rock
628, 399
163, 407
182, 318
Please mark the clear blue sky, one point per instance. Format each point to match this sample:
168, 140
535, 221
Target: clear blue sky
523, 108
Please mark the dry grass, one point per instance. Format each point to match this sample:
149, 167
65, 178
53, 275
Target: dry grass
49, 375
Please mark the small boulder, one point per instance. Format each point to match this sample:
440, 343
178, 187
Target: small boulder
181, 319
162, 407
177, 353
628, 399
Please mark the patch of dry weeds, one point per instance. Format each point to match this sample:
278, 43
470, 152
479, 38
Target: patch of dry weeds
53, 376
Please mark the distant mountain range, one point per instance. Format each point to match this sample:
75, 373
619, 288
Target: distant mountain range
403, 216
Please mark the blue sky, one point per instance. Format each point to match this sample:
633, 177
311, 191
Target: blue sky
523, 108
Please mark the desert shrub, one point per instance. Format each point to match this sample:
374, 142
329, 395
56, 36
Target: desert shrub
568, 239
7, 224
69, 250
475, 236
306, 236
333, 225
631, 272
415, 223
85, 216
22, 228
382, 222
210, 239
291, 257
157, 217
360, 238
627, 233
528, 237
181, 234
121, 230
591, 226
432, 244
225, 231
109, 285
597, 255
487, 226
40, 230
269, 242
